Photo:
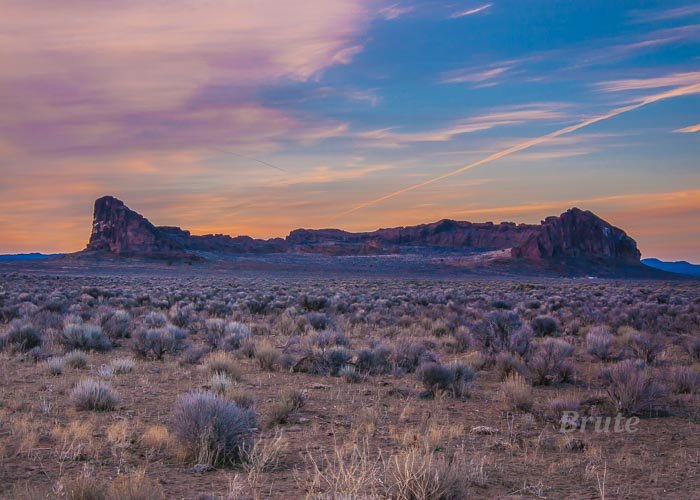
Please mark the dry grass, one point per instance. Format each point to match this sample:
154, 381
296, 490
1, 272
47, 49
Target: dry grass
517, 393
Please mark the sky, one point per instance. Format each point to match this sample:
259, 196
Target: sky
258, 116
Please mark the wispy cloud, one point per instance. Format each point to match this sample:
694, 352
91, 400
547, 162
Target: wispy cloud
480, 78
673, 80
644, 16
472, 11
676, 92
395, 10
689, 130
389, 137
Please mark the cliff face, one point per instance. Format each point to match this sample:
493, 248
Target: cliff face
118, 230
576, 234
579, 234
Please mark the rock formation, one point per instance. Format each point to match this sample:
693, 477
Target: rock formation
575, 235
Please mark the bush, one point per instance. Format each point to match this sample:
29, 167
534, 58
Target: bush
237, 334
268, 358
350, 374
223, 362
374, 361
599, 340
85, 337
76, 359
95, 395
453, 378
212, 430
544, 326
550, 364
117, 325
155, 344
214, 331
684, 379
507, 364
288, 402
693, 348
23, 336
409, 355
155, 319
56, 366
336, 358
494, 331
517, 393
630, 389
642, 345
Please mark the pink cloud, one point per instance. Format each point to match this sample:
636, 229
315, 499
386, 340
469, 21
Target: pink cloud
112, 75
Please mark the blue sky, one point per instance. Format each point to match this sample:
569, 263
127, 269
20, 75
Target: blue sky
364, 106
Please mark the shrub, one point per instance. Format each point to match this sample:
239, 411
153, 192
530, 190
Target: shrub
241, 397
453, 378
409, 355
493, 332
642, 345
336, 358
135, 486
550, 365
330, 338
544, 326
155, 319
374, 361
155, 344
76, 359
23, 336
85, 337
289, 402
223, 362
318, 321
599, 340
268, 358
557, 406
519, 341
212, 430
421, 474
693, 348
517, 393
350, 374
117, 325
56, 366
95, 395
684, 379
507, 364
193, 355
630, 389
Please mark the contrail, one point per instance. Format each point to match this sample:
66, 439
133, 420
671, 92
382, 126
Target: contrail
680, 91
251, 159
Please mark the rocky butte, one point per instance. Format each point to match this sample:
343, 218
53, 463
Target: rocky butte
576, 238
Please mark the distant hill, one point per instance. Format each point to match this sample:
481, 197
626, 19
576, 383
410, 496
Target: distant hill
678, 267
26, 256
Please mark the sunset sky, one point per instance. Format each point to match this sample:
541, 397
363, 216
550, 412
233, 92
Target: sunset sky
259, 116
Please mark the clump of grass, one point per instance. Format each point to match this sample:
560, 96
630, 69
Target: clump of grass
94, 395
223, 362
122, 365
517, 393
350, 374
56, 365
220, 383
212, 430
241, 397
76, 359
268, 358
289, 402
